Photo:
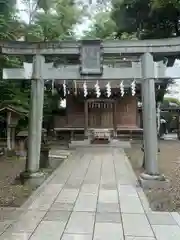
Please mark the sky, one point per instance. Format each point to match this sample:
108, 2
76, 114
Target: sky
171, 72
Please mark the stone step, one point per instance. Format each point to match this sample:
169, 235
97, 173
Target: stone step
59, 156
113, 143
83, 142
57, 152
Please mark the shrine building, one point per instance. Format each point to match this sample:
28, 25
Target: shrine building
118, 113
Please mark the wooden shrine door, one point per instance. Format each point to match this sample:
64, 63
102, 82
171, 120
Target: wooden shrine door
100, 114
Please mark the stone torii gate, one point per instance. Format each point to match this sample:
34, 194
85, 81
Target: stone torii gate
91, 54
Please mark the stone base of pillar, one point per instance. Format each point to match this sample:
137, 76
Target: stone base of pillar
34, 179
148, 181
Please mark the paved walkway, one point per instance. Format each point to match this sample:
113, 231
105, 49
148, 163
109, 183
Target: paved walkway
93, 195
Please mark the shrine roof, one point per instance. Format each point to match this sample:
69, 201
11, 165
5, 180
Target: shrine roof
16, 109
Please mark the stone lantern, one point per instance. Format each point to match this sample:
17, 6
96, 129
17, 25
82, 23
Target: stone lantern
12, 117
12, 121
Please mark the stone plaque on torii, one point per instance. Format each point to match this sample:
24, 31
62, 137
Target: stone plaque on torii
93, 68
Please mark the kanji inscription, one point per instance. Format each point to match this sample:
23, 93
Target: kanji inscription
91, 59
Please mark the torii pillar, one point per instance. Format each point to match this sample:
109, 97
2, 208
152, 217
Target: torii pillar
149, 123
35, 115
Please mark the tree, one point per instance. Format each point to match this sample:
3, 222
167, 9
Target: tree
147, 18
52, 19
102, 27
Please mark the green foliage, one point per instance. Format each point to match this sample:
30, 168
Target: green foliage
140, 19
147, 18
7, 7
50, 105
55, 21
102, 27
168, 100
11, 92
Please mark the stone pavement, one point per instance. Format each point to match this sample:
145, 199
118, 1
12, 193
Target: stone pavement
93, 195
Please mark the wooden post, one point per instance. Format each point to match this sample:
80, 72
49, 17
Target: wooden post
13, 137
158, 110
114, 118
8, 131
137, 113
67, 108
86, 118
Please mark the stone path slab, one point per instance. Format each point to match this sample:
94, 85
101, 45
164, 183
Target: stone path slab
93, 195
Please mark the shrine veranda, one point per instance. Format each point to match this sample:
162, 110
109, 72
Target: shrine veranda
109, 76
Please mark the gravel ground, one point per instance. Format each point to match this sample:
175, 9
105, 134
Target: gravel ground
169, 165
12, 194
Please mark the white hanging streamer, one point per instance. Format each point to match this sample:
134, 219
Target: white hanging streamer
53, 87
108, 89
97, 89
75, 87
122, 88
85, 89
64, 88
133, 88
